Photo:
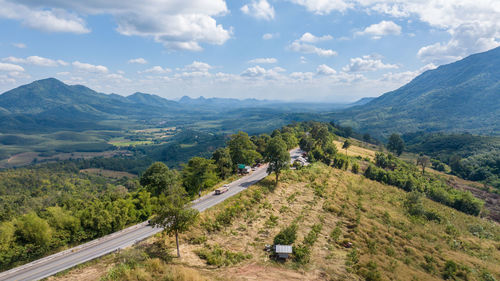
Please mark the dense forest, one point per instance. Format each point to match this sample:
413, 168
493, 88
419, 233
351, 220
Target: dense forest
471, 157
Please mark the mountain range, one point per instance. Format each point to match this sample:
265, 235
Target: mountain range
463, 96
51, 105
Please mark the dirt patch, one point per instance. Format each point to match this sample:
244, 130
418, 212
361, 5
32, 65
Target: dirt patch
89, 273
267, 273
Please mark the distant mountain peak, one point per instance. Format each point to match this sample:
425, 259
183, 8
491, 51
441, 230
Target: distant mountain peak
460, 96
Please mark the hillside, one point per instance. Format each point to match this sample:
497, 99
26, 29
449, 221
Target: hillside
331, 208
457, 97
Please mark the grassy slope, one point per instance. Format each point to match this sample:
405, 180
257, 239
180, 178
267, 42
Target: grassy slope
369, 214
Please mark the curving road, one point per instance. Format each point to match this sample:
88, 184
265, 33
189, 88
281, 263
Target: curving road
53, 264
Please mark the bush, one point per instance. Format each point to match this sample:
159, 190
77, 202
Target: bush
355, 168
286, 236
450, 270
301, 254
312, 236
335, 234
215, 255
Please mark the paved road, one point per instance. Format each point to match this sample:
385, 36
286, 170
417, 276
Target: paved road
51, 265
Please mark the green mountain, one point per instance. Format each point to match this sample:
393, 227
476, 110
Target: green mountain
49, 104
457, 97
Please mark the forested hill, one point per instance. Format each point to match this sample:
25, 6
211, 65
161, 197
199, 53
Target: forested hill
461, 96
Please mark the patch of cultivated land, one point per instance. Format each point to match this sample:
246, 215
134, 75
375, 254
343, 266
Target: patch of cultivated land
26, 158
387, 244
108, 173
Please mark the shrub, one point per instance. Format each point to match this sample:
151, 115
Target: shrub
450, 270
371, 272
215, 255
355, 168
301, 254
335, 234
286, 236
312, 236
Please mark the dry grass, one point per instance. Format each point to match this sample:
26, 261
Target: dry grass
389, 244
355, 150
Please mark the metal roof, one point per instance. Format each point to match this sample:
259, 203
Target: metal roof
283, 249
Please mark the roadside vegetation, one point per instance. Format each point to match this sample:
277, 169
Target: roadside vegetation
330, 210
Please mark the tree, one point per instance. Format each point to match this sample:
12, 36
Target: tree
290, 140
32, 229
223, 162
174, 215
329, 152
321, 135
306, 143
423, 161
396, 144
260, 142
346, 145
277, 155
241, 148
158, 179
198, 174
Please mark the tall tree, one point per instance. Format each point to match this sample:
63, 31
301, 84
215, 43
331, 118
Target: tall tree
396, 144
198, 174
173, 214
223, 162
306, 143
423, 161
277, 155
242, 149
346, 145
158, 179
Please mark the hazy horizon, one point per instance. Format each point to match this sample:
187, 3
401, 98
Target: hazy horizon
339, 51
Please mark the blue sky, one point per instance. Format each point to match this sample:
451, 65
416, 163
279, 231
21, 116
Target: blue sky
314, 50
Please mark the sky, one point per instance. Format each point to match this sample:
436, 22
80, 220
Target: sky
296, 50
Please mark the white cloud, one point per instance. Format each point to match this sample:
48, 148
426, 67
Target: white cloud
268, 36
381, 29
465, 39
9, 67
138, 61
309, 38
36, 60
323, 7
263, 60
303, 45
473, 25
90, 67
260, 72
300, 47
367, 63
156, 70
176, 24
260, 9
19, 45
406, 76
52, 19
198, 66
324, 69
